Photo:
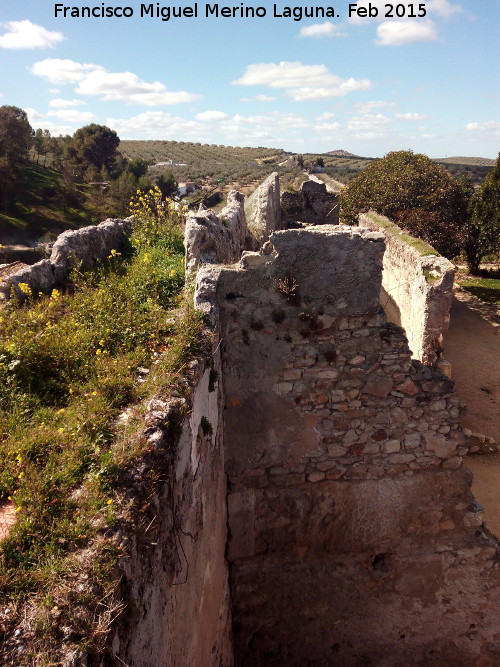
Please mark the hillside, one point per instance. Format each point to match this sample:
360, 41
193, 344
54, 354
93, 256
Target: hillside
469, 161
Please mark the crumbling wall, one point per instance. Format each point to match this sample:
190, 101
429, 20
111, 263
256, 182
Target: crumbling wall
81, 248
215, 239
313, 205
175, 573
263, 211
354, 538
417, 289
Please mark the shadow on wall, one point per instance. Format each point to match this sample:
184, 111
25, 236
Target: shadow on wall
390, 307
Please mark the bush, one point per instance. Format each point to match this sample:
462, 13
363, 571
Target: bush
417, 194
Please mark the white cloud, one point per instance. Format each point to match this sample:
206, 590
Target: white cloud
95, 80
327, 127
326, 29
130, 88
492, 126
397, 33
258, 98
38, 120
60, 71
58, 102
73, 115
211, 115
27, 35
368, 107
157, 124
302, 82
326, 115
443, 8
367, 123
411, 116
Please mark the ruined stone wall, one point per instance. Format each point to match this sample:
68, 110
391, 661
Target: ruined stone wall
175, 573
263, 211
313, 204
81, 248
215, 239
417, 289
354, 538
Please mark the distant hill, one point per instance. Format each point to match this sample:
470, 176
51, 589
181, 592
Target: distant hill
470, 161
341, 153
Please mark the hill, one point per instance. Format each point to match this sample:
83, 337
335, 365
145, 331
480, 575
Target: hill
469, 161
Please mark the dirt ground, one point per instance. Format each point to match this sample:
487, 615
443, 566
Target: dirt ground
472, 345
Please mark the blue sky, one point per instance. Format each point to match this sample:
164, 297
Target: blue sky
367, 85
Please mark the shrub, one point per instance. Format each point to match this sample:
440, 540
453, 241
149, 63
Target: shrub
417, 194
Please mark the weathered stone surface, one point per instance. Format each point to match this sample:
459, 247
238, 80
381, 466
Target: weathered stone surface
313, 205
320, 262
416, 293
360, 508
215, 239
263, 211
40, 278
83, 248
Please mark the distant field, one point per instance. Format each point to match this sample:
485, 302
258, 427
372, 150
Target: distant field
205, 163
470, 161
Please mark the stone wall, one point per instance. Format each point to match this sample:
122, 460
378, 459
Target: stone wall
354, 537
215, 239
417, 289
175, 572
313, 205
263, 211
81, 248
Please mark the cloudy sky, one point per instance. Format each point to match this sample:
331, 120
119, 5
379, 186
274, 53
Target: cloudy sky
365, 84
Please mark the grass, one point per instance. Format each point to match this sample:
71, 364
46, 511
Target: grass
423, 248
69, 365
484, 287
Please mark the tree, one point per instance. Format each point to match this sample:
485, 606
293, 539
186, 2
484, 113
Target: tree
138, 167
167, 183
15, 141
483, 228
93, 148
417, 194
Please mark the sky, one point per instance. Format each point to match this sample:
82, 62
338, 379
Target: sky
307, 78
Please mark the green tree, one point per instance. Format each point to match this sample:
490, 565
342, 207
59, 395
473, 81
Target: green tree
167, 183
483, 228
138, 167
92, 149
15, 141
417, 194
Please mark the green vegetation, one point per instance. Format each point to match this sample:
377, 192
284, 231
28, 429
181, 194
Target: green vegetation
417, 194
483, 226
485, 286
424, 249
205, 163
69, 364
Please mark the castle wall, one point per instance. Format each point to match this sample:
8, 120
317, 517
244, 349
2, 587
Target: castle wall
417, 289
313, 205
175, 572
82, 248
354, 538
263, 211
215, 239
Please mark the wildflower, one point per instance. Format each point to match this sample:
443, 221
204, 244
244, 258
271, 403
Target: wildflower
60, 429
55, 294
98, 351
25, 288
109, 502
18, 509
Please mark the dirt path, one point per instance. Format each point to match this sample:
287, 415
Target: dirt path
472, 345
